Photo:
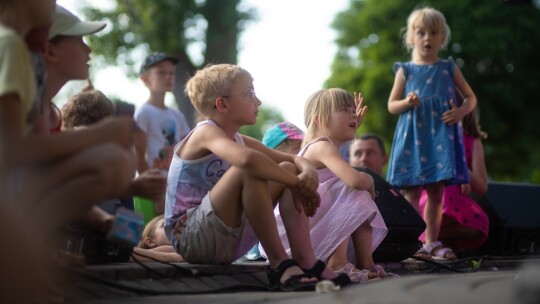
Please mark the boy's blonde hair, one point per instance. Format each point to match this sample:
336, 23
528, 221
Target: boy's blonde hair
425, 17
148, 232
319, 107
210, 83
86, 108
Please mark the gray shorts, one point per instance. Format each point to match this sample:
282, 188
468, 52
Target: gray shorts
205, 239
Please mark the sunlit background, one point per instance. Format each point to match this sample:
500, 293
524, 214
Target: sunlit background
289, 58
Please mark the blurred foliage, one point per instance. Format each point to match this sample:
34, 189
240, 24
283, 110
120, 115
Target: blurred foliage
196, 32
267, 117
493, 42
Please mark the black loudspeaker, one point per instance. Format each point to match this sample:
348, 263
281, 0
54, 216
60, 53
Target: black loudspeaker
514, 215
403, 222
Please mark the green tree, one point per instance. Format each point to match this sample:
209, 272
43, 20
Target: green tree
267, 117
494, 43
197, 32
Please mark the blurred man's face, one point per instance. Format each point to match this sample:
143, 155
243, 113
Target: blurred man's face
367, 154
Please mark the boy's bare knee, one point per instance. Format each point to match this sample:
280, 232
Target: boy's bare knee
289, 167
116, 166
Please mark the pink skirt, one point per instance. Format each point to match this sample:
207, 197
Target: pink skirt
463, 210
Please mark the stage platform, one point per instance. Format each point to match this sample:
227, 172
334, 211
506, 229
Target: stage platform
472, 280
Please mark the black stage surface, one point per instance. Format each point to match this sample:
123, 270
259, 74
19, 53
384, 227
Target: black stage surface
506, 269
509, 279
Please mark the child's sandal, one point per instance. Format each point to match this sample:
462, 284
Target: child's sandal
317, 270
383, 274
293, 283
443, 253
356, 275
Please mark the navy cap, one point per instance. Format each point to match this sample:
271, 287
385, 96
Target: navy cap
154, 59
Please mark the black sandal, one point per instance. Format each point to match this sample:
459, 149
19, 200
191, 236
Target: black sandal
317, 270
293, 283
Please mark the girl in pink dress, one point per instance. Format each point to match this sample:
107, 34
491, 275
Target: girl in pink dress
347, 210
465, 224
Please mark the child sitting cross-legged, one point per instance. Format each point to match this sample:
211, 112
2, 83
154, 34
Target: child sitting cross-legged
222, 186
347, 209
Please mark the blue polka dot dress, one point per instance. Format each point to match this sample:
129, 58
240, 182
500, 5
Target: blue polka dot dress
425, 150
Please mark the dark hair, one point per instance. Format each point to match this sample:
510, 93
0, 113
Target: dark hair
87, 107
471, 125
375, 137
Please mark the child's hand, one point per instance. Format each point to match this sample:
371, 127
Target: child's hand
413, 99
465, 189
150, 184
372, 192
453, 115
360, 110
308, 203
308, 181
370, 185
120, 130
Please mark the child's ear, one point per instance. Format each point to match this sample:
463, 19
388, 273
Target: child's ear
50, 54
149, 242
221, 105
144, 77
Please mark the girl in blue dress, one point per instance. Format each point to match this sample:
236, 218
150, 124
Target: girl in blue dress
427, 150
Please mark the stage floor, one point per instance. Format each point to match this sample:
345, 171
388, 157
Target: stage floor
495, 280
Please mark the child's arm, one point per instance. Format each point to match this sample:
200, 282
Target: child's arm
327, 154
140, 150
396, 104
17, 149
150, 184
456, 114
213, 139
165, 253
309, 178
99, 219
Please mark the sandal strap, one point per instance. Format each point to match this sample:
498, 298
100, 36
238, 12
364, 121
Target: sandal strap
317, 269
274, 275
429, 248
293, 283
342, 279
442, 251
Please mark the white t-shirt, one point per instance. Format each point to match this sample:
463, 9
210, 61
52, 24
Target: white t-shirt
164, 128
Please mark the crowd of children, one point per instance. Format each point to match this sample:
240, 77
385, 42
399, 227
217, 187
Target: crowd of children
217, 192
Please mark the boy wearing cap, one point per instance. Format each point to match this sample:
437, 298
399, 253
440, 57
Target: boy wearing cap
164, 126
74, 169
66, 56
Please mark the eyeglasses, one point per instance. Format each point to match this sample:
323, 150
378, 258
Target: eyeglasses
249, 94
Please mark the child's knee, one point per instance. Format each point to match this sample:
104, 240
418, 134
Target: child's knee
289, 167
116, 165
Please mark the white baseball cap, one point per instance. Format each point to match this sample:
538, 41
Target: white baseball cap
67, 24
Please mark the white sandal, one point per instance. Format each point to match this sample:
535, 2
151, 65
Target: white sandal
383, 274
356, 275
438, 251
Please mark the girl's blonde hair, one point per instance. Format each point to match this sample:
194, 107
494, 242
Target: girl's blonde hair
427, 17
212, 82
148, 231
319, 107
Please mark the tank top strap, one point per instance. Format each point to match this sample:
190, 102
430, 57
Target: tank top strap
321, 138
237, 137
